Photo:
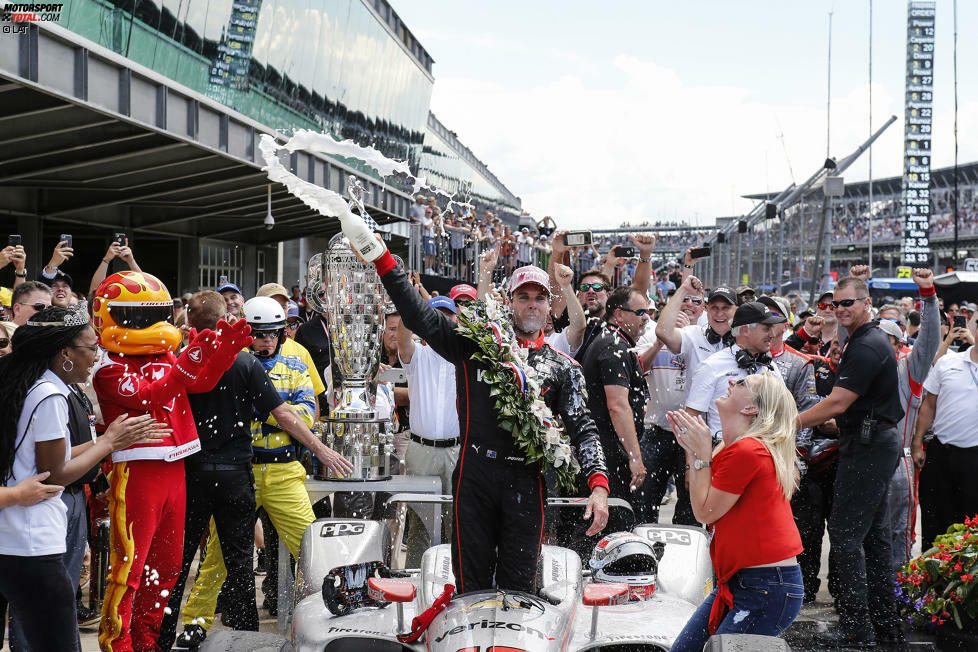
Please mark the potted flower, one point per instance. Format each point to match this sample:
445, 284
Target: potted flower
940, 587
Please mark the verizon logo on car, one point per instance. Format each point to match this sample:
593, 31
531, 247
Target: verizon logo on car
341, 529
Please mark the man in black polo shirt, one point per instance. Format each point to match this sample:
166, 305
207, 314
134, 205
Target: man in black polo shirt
865, 403
617, 394
219, 480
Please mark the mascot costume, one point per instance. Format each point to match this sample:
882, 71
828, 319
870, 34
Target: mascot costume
139, 374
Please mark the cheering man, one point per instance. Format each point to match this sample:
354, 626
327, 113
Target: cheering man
498, 498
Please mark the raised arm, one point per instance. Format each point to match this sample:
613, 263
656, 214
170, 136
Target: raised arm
645, 243
929, 336
559, 255
564, 277
665, 328
488, 260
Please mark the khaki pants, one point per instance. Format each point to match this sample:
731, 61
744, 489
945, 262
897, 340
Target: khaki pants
428, 460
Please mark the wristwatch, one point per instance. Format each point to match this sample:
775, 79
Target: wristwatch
701, 464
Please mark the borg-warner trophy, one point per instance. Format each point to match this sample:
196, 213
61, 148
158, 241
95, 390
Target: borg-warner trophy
352, 300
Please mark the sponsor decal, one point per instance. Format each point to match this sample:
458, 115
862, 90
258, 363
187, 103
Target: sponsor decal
341, 529
480, 376
494, 624
195, 354
669, 536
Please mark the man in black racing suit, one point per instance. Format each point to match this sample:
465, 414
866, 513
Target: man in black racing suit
499, 499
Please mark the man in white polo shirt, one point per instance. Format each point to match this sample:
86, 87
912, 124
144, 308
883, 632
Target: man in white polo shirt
695, 342
948, 482
433, 449
750, 354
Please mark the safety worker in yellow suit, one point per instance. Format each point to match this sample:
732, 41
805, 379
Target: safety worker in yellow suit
279, 476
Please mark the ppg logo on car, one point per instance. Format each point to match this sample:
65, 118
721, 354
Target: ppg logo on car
341, 529
669, 536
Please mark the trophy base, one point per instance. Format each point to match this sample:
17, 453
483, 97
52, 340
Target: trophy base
365, 443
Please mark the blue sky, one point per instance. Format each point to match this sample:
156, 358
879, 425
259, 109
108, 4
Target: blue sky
671, 110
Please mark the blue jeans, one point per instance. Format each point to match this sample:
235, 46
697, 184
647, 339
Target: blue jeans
765, 602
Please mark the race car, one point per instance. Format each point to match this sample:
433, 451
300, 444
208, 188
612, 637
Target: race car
637, 593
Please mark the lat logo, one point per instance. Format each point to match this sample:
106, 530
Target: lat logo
195, 354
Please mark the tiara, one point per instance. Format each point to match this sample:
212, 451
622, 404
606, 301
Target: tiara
76, 315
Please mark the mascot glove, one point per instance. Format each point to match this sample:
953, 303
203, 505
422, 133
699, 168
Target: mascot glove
233, 338
194, 360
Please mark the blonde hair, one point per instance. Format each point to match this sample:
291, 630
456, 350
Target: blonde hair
774, 426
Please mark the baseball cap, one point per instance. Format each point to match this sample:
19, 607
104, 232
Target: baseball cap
778, 304
745, 288
271, 290
462, 290
529, 274
723, 292
64, 276
230, 286
828, 293
970, 307
890, 328
755, 312
442, 302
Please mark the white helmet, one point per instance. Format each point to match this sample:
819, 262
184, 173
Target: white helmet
626, 557
264, 314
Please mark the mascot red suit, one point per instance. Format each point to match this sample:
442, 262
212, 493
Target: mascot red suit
133, 315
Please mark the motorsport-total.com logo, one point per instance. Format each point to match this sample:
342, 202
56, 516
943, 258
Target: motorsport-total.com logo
16, 16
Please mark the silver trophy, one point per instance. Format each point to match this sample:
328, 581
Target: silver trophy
352, 299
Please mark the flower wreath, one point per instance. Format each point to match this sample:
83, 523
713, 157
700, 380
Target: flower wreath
514, 386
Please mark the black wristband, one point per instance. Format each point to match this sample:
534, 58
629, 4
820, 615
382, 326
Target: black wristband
20, 274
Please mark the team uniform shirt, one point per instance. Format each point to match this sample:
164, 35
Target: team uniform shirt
798, 373
868, 368
290, 377
666, 380
38, 529
292, 348
759, 528
610, 360
696, 348
711, 381
431, 389
954, 379
223, 415
127, 384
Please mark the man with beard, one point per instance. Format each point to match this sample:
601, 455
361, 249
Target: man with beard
617, 393
595, 285
498, 497
753, 330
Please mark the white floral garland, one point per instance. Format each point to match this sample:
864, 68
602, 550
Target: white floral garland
515, 386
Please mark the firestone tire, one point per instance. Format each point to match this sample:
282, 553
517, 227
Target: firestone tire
228, 641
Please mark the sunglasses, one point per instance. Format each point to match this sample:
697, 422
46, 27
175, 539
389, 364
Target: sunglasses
38, 307
597, 287
847, 303
464, 302
827, 306
259, 335
641, 312
694, 300
742, 382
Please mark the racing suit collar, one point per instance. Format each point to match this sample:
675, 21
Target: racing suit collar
535, 343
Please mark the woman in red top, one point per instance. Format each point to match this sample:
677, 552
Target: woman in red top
743, 491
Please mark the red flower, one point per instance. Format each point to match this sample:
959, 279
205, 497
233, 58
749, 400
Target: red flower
967, 577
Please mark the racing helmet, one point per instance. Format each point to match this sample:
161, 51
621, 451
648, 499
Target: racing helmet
628, 558
265, 314
133, 314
